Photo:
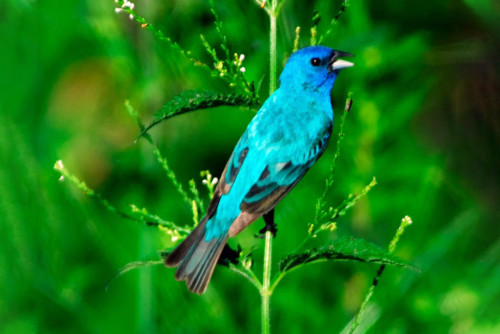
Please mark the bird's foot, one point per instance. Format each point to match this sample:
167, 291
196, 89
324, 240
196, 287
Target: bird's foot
268, 228
270, 225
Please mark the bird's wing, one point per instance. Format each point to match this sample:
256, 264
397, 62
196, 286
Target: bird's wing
228, 176
278, 178
275, 181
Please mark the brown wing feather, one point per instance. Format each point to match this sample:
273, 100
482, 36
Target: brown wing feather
243, 220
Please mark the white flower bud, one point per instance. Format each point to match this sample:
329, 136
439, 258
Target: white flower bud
59, 165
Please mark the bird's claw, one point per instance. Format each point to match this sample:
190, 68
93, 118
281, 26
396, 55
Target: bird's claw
268, 228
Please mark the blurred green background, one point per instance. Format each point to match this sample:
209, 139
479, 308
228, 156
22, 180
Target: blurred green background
425, 122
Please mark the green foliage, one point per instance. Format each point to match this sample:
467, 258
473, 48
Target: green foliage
192, 100
321, 210
133, 265
227, 68
347, 249
230, 70
423, 122
333, 22
135, 214
194, 202
343, 249
125, 6
314, 28
405, 222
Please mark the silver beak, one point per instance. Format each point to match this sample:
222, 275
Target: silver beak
338, 64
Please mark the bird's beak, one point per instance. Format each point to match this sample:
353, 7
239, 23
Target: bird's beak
336, 64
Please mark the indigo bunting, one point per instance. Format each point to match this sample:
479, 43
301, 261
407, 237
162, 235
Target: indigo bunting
283, 140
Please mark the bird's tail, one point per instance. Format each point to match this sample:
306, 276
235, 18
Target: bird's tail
196, 258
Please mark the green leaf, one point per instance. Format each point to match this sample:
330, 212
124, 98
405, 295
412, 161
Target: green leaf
191, 100
133, 265
344, 249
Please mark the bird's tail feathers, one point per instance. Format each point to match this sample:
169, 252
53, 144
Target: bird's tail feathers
196, 258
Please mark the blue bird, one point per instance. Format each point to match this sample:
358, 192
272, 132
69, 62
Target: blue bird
283, 140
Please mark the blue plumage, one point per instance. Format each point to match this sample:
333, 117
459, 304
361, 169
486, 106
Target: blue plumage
283, 140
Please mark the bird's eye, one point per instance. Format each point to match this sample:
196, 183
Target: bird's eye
315, 62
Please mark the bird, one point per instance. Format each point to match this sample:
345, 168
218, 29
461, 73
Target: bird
284, 139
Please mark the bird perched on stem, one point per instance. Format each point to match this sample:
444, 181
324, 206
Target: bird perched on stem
283, 140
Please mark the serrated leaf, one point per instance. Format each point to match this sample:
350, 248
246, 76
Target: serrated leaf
344, 249
130, 266
191, 100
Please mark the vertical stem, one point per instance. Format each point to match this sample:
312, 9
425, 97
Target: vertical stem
272, 47
266, 292
266, 282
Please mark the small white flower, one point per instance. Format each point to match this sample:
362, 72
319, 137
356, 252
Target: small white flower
204, 181
242, 57
59, 165
242, 70
117, 10
131, 16
61, 178
215, 180
128, 4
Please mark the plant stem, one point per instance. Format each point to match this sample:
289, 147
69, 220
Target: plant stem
272, 47
405, 222
248, 274
266, 292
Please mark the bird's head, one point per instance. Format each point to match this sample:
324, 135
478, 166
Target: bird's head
314, 68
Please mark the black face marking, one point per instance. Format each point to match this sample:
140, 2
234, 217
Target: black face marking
315, 61
332, 59
334, 56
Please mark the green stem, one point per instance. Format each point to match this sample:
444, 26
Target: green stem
266, 291
248, 274
405, 222
321, 202
273, 15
